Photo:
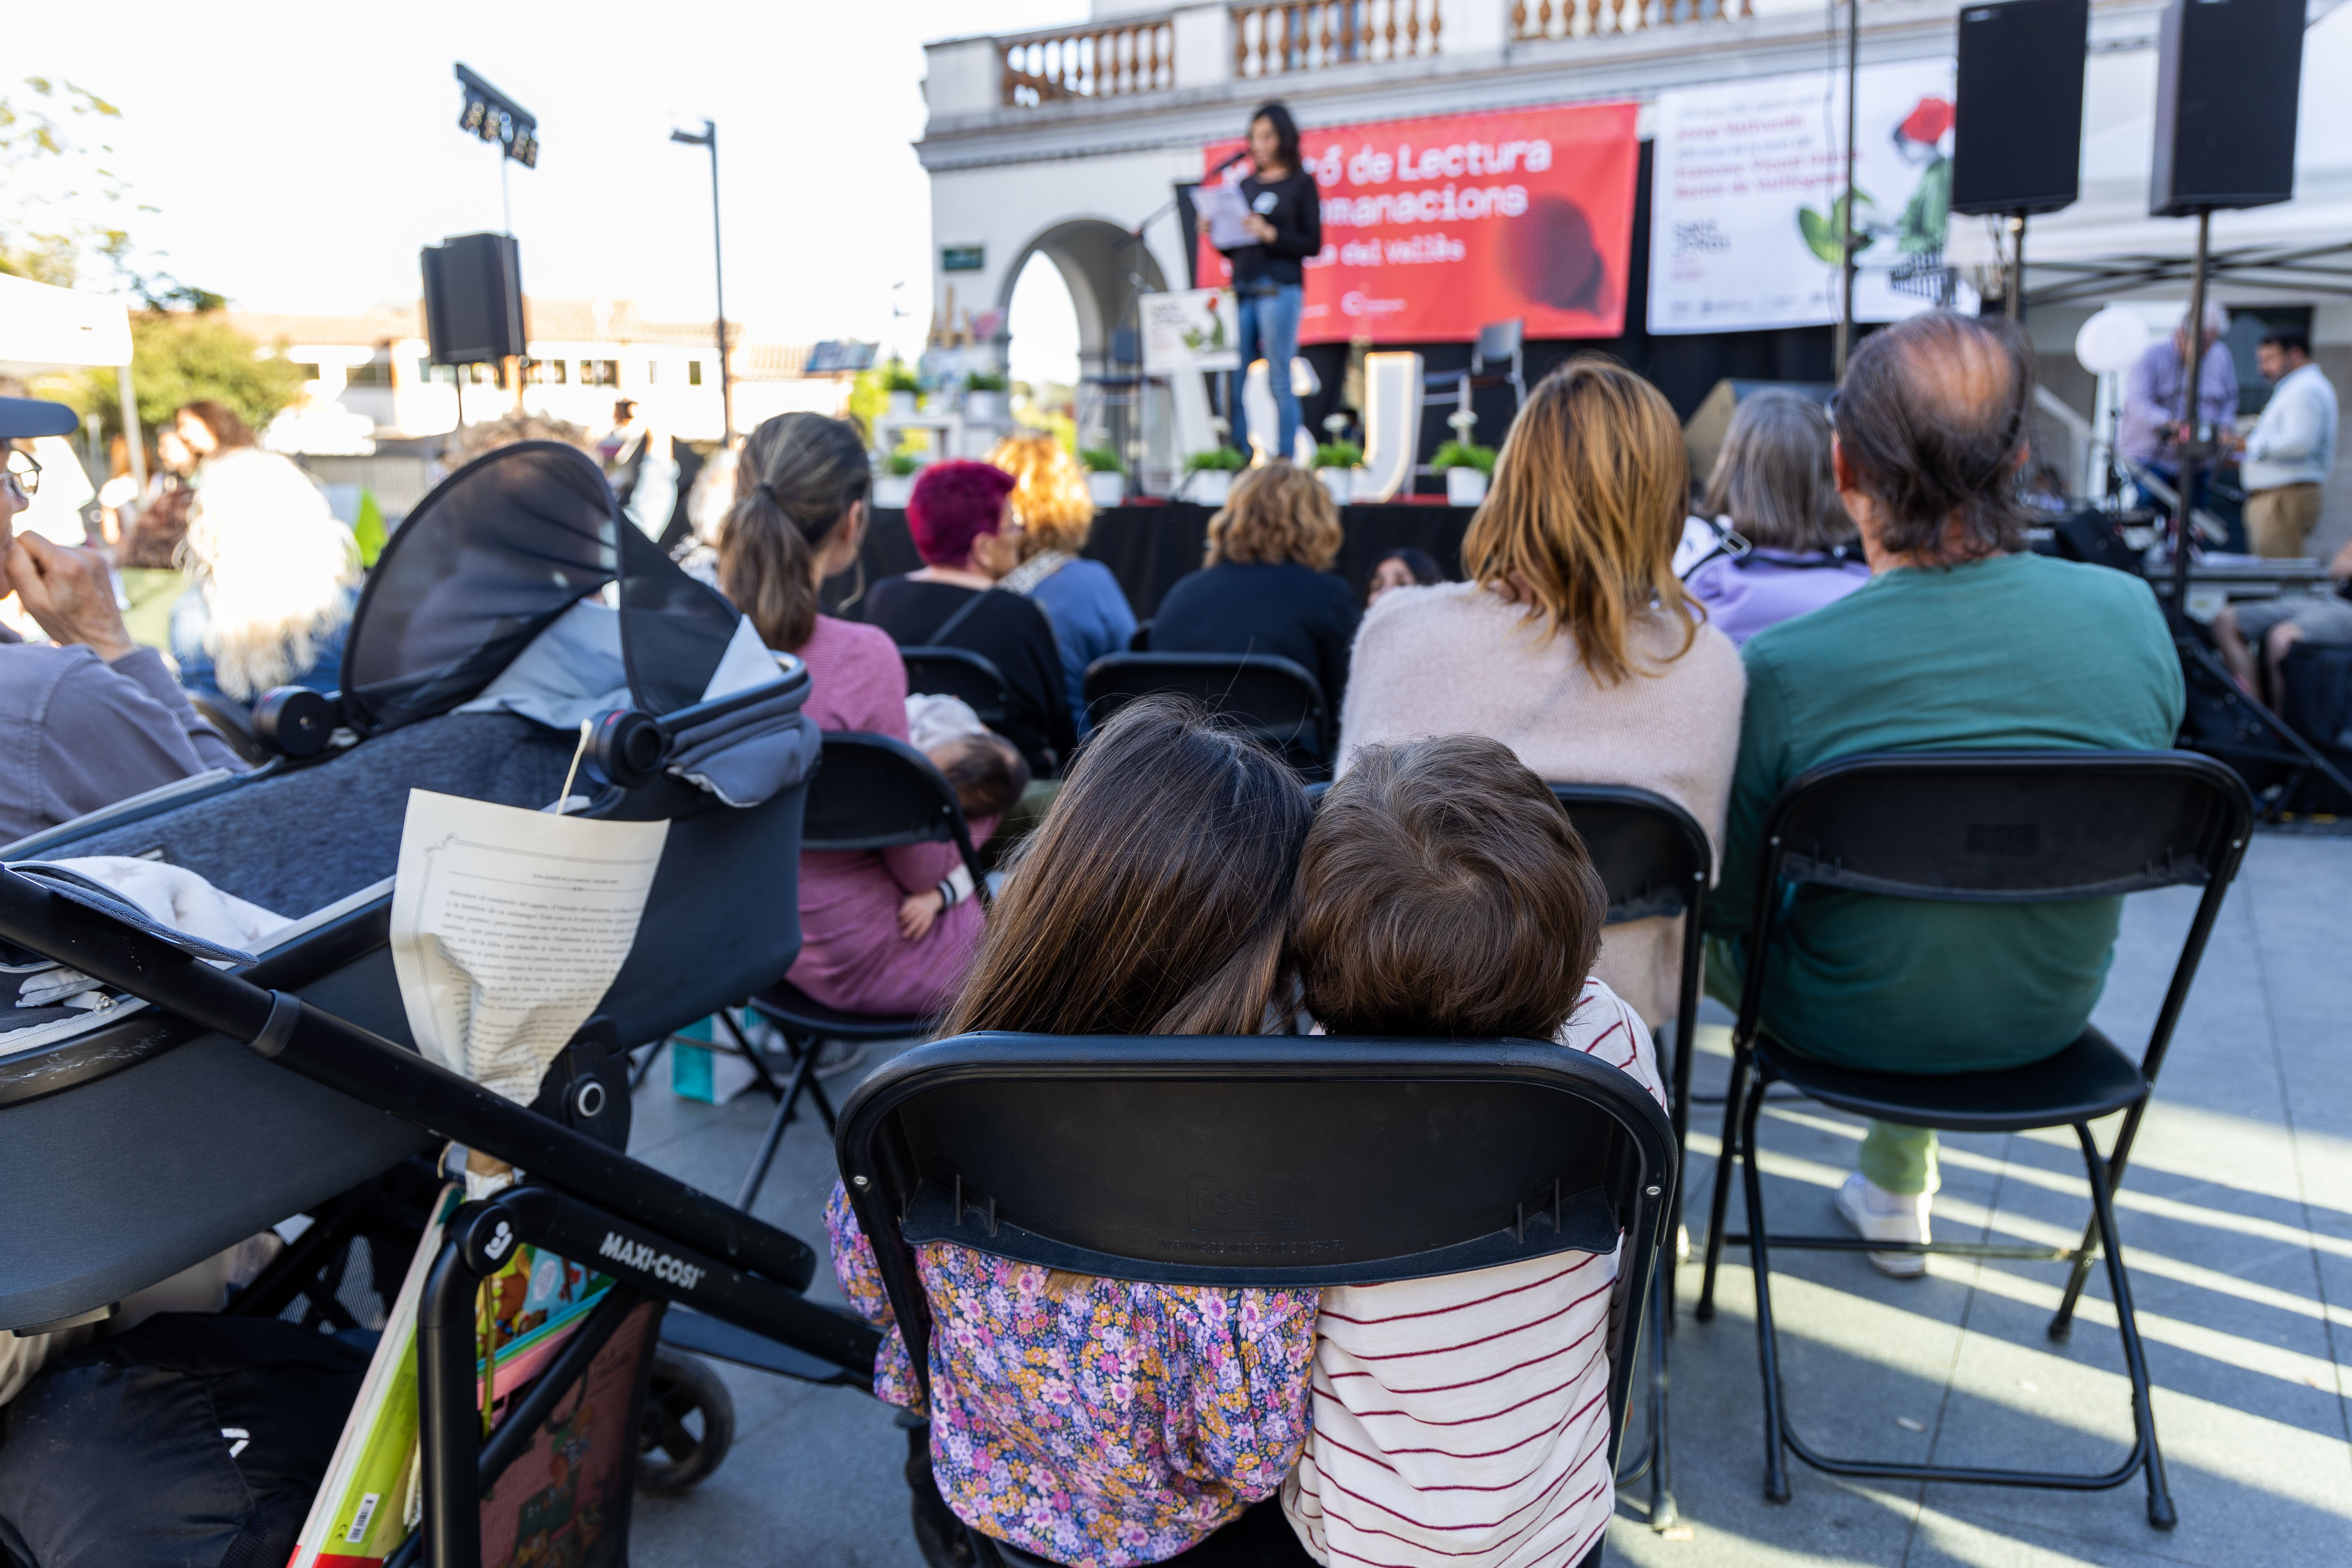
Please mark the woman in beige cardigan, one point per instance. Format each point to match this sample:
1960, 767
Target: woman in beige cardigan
1572, 643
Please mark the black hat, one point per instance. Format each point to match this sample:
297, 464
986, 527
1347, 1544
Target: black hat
29, 416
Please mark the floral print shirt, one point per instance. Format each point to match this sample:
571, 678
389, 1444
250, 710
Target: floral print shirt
1117, 1424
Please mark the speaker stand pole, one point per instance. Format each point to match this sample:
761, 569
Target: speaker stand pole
2017, 266
1843, 348
2191, 448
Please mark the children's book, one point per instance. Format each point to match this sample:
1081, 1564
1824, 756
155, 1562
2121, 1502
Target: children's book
369, 1501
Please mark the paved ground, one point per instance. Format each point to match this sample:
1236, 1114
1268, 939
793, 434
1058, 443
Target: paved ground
2237, 1219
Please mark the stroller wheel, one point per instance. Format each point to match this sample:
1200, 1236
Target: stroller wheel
689, 1423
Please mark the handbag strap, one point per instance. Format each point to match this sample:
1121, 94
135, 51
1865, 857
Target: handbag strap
947, 629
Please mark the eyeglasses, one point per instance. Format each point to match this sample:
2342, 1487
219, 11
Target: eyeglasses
26, 472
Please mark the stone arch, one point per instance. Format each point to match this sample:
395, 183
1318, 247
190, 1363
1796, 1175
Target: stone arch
1096, 265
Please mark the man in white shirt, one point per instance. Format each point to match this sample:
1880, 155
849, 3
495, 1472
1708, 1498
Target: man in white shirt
2287, 456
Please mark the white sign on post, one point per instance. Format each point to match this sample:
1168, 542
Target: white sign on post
1749, 196
1190, 329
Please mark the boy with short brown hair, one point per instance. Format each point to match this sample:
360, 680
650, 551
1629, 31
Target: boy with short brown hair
1462, 1421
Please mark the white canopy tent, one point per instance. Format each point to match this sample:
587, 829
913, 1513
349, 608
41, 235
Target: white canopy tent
44, 328
2106, 246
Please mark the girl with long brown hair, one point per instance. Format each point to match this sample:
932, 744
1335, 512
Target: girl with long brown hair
1571, 642
1101, 1423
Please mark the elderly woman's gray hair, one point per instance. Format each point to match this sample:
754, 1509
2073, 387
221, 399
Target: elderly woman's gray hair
1773, 477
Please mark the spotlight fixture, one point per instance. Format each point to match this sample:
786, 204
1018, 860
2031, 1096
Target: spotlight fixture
499, 120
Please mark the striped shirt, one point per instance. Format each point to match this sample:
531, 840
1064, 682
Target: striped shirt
1463, 1422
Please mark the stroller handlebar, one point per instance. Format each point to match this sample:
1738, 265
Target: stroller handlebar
374, 1070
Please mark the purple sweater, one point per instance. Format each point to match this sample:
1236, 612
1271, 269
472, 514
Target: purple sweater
852, 956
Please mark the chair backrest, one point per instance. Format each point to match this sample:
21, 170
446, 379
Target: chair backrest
1272, 700
959, 672
2008, 827
1498, 341
1653, 856
872, 792
1255, 1160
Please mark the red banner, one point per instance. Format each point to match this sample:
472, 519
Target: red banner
1432, 228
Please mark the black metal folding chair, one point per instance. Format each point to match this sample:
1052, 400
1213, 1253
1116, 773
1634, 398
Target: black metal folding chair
1499, 343
870, 793
2001, 827
959, 672
1408, 1159
1274, 701
1653, 859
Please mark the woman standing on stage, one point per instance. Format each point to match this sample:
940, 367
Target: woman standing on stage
1286, 219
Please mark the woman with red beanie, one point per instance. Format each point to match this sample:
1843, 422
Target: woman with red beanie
959, 517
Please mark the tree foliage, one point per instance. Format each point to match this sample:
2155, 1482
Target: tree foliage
61, 203
179, 356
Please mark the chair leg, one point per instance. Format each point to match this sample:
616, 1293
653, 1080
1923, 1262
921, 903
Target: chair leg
1768, 1348
640, 1071
1732, 1095
2161, 1511
801, 1081
1664, 1514
2063, 1325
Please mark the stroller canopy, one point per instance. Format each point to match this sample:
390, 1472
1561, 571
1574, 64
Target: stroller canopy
494, 556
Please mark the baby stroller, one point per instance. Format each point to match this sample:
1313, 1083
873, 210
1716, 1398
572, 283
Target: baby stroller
190, 1100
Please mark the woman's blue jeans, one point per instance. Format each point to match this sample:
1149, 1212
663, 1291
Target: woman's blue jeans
1269, 331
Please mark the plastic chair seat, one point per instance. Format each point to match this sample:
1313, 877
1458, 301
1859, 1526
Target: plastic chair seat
2088, 1080
789, 1006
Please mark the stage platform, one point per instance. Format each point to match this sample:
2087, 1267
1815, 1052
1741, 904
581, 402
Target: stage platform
1149, 547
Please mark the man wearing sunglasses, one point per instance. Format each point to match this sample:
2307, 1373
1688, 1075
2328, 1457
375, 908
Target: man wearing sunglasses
92, 718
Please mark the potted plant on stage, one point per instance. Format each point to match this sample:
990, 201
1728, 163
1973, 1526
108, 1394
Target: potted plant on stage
1466, 465
1209, 475
895, 485
983, 397
899, 383
1336, 463
1105, 476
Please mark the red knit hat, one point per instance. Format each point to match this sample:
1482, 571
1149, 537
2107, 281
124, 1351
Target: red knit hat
954, 504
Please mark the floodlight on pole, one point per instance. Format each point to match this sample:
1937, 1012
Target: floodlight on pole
709, 137
499, 120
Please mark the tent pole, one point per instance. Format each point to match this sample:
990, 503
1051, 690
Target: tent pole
2191, 450
1843, 347
133, 440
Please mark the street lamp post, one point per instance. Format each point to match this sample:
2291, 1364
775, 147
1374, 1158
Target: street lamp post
710, 138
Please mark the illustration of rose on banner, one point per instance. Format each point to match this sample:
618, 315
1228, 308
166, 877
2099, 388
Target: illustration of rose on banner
1433, 227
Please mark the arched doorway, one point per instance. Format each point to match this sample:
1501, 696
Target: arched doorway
1103, 267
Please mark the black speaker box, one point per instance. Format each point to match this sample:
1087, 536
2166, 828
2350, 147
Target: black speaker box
2227, 76
2018, 129
473, 299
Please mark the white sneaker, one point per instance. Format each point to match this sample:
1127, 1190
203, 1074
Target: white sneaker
1878, 1214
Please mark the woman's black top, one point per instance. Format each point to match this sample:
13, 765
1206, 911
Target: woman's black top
1291, 611
1008, 631
1295, 208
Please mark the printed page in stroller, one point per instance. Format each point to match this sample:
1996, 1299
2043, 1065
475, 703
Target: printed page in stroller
509, 926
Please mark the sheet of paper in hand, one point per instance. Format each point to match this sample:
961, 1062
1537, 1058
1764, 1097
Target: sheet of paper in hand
507, 927
1224, 208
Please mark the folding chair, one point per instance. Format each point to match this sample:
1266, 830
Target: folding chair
959, 672
1499, 342
1274, 701
1653, 859
2012, 828
871, 791
1408, 1159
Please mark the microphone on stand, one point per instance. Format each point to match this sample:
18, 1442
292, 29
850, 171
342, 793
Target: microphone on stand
1240, 157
